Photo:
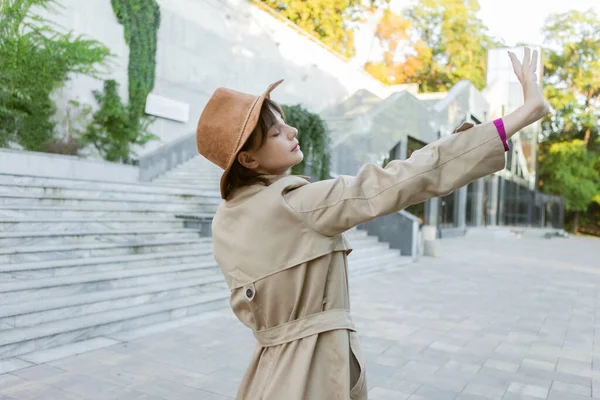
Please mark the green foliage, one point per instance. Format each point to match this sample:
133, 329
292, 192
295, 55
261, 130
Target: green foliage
36, 59
570, 170
445, 42
112, 131
331, 21
572, 68
313, 138
570, 137
141, 21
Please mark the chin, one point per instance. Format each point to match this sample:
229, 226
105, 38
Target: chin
300, 158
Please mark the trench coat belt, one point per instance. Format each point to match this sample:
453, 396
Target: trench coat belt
306, 326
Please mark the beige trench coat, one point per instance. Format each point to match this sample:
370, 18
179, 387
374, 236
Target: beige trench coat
283, 253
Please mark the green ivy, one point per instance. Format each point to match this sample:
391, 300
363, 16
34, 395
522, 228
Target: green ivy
112, 130
140, 20
313, 138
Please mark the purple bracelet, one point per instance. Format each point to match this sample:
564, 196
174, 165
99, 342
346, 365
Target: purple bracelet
502, 132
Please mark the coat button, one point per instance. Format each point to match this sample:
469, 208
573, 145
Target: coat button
249, 293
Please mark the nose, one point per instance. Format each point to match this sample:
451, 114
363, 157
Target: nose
293, 132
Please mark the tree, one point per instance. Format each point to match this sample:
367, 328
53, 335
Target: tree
331, 21
445, 42
36, 59
570, 141
314, 140
573, 70
569, 169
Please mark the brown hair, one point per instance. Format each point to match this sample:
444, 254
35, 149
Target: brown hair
239, 175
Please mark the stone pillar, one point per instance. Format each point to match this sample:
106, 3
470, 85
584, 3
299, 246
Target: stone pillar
492, 202
430, 241
432, 208
501, 194
461, 208
477, 202
403, 149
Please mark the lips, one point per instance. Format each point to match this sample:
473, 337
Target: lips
296, 148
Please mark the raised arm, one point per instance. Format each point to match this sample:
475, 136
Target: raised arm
333, 206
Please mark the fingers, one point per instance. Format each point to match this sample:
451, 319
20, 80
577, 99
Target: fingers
527, 57
516, 65
534, 61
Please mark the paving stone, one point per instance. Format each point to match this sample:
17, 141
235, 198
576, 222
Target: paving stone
162, 388
83, 386
431, 393
13, 364
571, 388
556, 395
39, 372
38, 391
8, 381
378, 393
575, 367
501, 365
528, 390
484, 391
529, 363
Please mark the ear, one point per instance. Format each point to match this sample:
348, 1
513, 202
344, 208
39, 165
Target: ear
247, 160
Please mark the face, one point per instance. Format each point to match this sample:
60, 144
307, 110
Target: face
279, 152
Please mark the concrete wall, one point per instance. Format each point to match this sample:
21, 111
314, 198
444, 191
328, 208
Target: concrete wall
204, 44
15, 162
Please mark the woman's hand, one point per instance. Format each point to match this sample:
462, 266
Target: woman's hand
535, 102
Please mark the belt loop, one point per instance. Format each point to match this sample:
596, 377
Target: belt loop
306, 326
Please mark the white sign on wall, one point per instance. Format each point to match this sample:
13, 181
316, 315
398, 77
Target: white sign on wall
167, 108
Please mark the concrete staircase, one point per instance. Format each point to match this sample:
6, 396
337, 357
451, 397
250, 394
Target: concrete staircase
198, 173
82, 260
86, 264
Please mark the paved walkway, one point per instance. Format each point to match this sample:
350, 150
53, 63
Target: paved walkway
494, 318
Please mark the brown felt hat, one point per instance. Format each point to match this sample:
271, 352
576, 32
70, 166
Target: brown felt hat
226, 123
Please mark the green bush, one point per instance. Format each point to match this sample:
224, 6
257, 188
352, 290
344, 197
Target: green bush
113, 130
36, 59
314, 140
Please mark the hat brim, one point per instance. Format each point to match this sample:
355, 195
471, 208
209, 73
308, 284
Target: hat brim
250, 124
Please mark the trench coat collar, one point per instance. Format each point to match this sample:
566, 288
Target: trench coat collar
245, 192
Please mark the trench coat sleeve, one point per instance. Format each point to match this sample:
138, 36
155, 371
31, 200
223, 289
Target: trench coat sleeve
333, 206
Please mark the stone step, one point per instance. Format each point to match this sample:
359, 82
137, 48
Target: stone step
21, 239
368, 259
105, 186
187, 173
35, 289
14, 342
100, 193
100, 203
70, 267
393, 264
213, 192
361, 241
33, 212
55, 252
200, 183
372, 249
77, 224
204, 184
37, 312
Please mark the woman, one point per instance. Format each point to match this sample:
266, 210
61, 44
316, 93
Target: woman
279, 239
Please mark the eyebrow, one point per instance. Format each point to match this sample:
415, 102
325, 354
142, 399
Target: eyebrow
273, 127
